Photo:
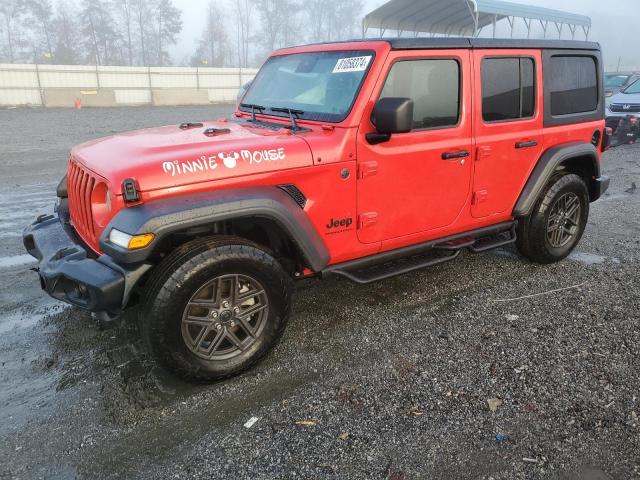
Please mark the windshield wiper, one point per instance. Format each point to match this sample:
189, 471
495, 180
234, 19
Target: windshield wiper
292, 116
253, 108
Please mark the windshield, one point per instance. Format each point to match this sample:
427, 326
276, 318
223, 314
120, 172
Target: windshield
615, 81
633, 88
321, 86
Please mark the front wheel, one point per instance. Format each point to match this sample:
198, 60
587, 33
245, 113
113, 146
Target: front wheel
555, 226
215, 307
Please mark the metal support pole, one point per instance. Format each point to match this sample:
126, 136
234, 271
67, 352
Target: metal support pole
198, 77
97, 76
150, 86
39, 85
544, 25
528, 24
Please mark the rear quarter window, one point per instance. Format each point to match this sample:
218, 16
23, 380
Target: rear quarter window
573, 84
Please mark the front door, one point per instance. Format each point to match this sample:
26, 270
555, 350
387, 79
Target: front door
507, 126
421, 180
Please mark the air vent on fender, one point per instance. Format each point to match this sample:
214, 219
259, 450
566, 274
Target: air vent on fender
295, 193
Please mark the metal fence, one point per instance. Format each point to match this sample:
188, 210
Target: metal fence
30, 84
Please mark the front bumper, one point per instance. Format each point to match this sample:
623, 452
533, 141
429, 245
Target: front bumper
70, 274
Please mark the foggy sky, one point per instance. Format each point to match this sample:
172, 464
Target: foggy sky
615, 27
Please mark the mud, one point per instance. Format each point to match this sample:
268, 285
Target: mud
393, 379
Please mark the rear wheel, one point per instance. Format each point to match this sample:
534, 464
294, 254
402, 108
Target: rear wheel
555, 226
215, 307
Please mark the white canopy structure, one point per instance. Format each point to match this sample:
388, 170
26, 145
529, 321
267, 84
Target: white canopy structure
467, 17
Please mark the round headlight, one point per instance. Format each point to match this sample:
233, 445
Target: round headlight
101, 204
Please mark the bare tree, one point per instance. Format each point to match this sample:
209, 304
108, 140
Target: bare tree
168, 26
340, 22
142, 14
11, 13
317, 18
41, 22
66, 33
100, 36
279, 22
243, 14
213, 44
124, 10
346, 18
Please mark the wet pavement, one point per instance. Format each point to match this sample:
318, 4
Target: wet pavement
396, 380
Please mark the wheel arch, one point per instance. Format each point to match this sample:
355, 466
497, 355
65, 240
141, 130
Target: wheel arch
265, 215
580, 158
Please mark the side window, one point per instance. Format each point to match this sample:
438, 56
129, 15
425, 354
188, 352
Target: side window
508, 89
434, 87
573, 85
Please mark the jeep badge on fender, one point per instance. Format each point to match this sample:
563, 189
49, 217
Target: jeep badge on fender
342, 223
222, 224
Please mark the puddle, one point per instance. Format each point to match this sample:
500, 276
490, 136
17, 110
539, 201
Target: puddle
16, 260
28, 319
590, 258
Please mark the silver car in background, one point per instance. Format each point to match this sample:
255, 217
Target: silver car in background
614, 82
625, 103
623, 113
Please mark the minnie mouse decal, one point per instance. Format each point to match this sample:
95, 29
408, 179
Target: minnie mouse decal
230, 159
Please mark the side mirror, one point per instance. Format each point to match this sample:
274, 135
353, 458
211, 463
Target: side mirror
391, 115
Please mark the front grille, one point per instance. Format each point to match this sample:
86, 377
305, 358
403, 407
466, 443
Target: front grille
625, 107
80, 184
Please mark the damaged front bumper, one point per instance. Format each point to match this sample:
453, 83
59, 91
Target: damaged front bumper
70, 273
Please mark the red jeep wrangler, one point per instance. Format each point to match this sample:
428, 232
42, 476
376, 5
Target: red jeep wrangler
363, 159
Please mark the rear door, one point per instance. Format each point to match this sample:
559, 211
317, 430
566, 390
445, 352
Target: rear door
508, 126
418, 181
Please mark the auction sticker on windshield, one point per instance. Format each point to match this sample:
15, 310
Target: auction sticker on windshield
352, 64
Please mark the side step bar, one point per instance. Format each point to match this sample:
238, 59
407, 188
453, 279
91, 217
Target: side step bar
404, 260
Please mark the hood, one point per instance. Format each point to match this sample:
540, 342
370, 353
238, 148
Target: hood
625, 98
173, 156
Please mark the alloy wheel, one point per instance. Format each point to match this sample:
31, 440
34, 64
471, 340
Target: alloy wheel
225, 317
563, 223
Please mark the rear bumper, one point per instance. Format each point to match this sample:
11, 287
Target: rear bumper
68, 273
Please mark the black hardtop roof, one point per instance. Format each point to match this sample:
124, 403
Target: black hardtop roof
423, 43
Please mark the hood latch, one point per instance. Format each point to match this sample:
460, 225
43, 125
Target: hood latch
214, 132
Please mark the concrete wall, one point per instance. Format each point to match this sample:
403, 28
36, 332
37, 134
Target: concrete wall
60, 85
179, 96
67, 97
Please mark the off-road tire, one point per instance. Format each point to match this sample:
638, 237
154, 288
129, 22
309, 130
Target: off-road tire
183, 273
533, 242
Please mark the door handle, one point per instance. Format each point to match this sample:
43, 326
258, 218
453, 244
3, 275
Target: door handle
454, 155
527, 144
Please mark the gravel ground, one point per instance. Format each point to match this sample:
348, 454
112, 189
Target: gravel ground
457, 371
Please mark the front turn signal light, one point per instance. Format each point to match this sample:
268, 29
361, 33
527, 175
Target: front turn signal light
141, 241
130, 242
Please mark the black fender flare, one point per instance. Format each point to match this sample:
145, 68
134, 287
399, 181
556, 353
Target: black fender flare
165, 216
547, 165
